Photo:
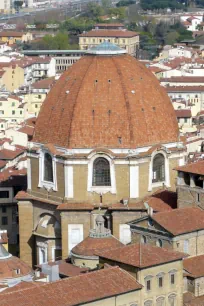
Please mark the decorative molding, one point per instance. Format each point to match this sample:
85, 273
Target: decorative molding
101, 189
69, 183
134, 182
42, 183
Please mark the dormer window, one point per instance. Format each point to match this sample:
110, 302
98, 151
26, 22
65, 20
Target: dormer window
18, 271
48, 168
101, 172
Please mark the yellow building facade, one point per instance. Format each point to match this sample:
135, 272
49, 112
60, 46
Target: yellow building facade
96, 149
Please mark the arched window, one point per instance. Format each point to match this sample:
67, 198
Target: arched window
158, 168
172, 300
101, 172
48, 168
148, 303
160, 301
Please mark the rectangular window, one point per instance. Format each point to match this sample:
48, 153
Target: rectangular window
13, 112
148, 285
4, 220
186, 246
185, 120
4, 209
172, 277
160, 281
198, 197
4, 194
75, 235
39, 96
36, 106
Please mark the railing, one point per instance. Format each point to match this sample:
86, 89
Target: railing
94, 234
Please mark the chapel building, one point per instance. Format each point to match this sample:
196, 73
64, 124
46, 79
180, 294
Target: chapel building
106, 136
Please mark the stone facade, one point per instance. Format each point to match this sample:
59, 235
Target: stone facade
146, 230
152, 273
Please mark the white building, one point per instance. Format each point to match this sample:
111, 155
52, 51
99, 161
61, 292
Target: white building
191, 22
5, 6
180, 52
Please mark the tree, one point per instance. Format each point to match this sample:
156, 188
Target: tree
58, 42
171, 38
161, 4
118, 11
94, 10
106, 3
125, 3
77, 25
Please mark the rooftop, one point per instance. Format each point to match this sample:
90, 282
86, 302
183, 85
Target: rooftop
183, 79
141, 255
67, 269
110, 33
115, 88
90, 246
183, 113
184, 88
76, 290
44, 84
194, 266
195, 168
181, 221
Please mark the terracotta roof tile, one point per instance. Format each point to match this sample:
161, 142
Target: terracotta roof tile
29, 130
184, 79
75, 290
181, 221
44, 84
109, 33
11, 172
184, 88
22, 195
141, 255
107, 25
196, 168
67, 269
91, 246
198, 301
70, 116
9, 265
194, 266
6, 154
183, 113
20, 286
11, 34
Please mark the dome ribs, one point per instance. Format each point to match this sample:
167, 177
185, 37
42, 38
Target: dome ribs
107, 101
45, 119
77, 90
126, 101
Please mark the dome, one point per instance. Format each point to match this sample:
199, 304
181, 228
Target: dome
91, 246
106, 99
12, 267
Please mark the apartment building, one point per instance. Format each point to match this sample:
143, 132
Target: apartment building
112, 33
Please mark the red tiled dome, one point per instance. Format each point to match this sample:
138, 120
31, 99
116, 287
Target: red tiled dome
10, 264
106, 101
90, 246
